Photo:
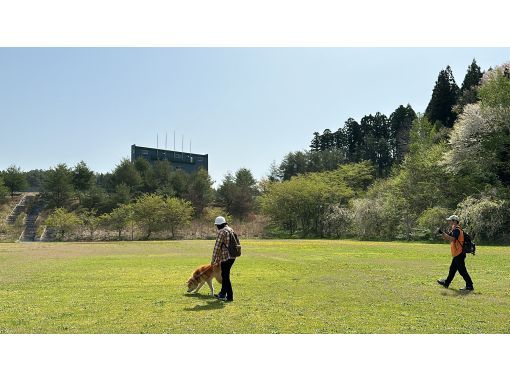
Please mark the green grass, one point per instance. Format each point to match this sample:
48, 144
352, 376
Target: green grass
281, 286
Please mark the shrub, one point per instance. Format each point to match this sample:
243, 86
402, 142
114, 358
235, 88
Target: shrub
338, 221
484, 217
63, 222
430, 220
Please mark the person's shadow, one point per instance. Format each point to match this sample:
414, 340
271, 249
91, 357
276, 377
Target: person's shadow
457, 293
212, 303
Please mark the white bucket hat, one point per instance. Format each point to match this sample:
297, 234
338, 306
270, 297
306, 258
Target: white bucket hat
453, 217
220, 220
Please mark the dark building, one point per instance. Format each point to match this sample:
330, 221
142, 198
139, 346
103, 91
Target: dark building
189, 162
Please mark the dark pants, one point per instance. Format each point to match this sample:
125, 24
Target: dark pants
226, 285
458, 264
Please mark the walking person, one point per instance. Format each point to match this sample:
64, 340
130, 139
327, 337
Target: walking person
221, 256
456, 239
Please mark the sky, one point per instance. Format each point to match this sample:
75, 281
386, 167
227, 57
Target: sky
244, 107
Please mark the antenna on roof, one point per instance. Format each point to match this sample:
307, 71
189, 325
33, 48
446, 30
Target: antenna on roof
166, 137
157, 146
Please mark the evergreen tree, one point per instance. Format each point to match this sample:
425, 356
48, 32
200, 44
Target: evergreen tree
58, 186
354, 140
125, 172
315, 145
3, 190
469, 88
327, 141
401, 121
15, 179
473, 77
199, 190
83, 177
444, 97
237, 193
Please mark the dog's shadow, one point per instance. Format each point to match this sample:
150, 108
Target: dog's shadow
201, 296
212, 303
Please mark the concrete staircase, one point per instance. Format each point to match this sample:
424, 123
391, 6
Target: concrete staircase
29, 203
20, 207
47, 235
30, 229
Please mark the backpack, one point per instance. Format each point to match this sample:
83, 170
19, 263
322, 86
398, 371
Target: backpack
468, 246
234, 245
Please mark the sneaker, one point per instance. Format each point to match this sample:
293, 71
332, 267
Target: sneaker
467, 289
219, 295
442, 283
222, 297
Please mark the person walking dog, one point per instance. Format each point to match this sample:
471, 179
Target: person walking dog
222, 256
456, 239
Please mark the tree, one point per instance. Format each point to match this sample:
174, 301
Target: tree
90, 221
63, 222
237, 193
35, 179
126, 173
480, 141
473, 77
58, 186
148, 212
199, 190
4, 191
401, 121
354, 140
83, 177
495, 89
469, 88
444, 96
179, 182
144, 168
14, 179
485, 217
119, 219
122, 195
177, 214
96, 198
302, 202
315, 145
162, 172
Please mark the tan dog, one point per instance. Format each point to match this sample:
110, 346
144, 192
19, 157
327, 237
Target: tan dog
203, 274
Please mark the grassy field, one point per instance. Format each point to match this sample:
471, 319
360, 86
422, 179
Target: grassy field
281, 286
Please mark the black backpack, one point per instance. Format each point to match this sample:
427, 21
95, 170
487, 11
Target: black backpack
468, 246
234, 245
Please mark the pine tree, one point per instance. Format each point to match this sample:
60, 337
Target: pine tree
444, 97
472, 78
401, 121
315, 146
469, 88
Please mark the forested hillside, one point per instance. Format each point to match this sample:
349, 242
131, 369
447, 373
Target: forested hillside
383, 177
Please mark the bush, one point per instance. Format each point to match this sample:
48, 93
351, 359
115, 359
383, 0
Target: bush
484, 217
338, 221
301, 202
430, 220
63, 222
367, 215
119, 219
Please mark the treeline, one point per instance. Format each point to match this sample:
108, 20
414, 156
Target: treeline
134, 193
383, 140
453, 158
394, 177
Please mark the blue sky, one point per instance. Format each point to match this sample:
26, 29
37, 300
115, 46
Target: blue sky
245, 107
